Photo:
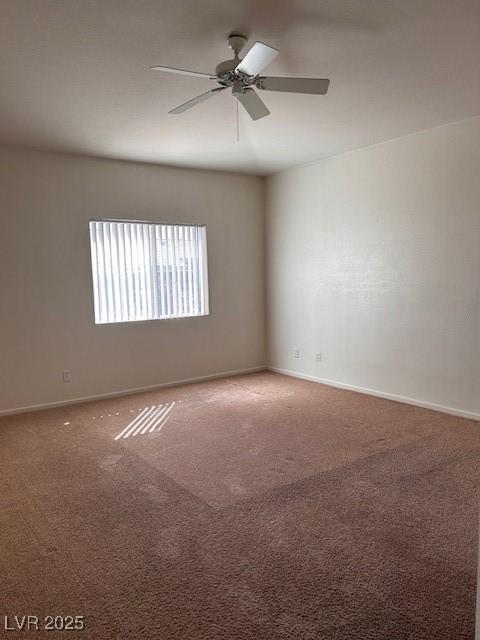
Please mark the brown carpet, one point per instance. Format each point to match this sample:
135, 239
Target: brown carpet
260, 507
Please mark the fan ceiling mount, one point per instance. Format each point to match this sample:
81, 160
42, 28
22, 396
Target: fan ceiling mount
242, 75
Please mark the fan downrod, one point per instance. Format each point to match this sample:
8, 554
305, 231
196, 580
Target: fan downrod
236, 42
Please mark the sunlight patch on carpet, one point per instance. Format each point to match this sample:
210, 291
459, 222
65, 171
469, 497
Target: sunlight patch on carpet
148, 420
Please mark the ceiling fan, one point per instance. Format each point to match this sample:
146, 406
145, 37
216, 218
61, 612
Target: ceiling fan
242, 75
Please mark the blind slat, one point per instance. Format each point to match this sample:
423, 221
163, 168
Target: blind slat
147, 266
136, 309
129, 271
181, 239
188, 246
196, 306
123, 271
166, 270
203, 297
176, 271
171, 271
95, 276
144, 271
117, 299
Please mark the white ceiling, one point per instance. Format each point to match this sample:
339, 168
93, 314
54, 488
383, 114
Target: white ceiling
74, 76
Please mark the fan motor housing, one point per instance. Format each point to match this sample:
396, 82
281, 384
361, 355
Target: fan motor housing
227, 75
226, 66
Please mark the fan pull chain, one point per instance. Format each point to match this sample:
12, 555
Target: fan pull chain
238, 124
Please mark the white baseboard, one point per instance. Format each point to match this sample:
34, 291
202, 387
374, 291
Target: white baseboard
126, 392
380, 394
224, 374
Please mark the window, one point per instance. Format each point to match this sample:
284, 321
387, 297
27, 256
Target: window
148, 271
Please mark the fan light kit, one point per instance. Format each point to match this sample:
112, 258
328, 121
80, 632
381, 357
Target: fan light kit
243, 76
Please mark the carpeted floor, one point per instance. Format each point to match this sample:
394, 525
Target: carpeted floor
255, 507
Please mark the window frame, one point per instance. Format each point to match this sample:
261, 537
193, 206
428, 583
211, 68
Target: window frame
153, 223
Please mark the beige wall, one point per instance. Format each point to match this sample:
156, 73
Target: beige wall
46, 319
373, 259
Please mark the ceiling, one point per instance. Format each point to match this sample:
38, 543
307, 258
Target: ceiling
74, 76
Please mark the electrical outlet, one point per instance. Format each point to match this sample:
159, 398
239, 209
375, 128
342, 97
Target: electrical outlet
318, 357
296, 353
67, 375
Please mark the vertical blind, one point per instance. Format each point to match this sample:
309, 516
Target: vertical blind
148, 271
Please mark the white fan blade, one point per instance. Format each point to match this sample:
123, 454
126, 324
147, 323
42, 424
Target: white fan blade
294, 85
259, 56
184, 72
253, 104
191, 103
